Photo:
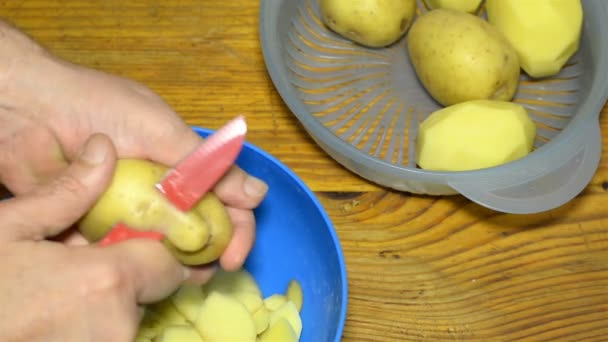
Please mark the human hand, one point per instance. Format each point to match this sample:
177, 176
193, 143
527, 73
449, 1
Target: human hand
50, 107
50, 291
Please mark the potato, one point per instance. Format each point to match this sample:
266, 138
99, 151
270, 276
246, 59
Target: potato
275, 301
289, 312
469, 6
460, 57
157, 317
188, 300
229, 307
294, 294
281, 331
545, 33
179, 333
223, 318
371, 23
474, 135
196, 237
233, 282
261, 319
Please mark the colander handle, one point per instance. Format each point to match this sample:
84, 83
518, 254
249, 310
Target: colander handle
549, 184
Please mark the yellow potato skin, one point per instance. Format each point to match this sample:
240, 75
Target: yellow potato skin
545, 33
474, 135
460, 57
195, 237
469, 6
371, 23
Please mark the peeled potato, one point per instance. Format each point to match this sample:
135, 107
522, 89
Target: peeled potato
294, 294
474, 135
157, 317
179, 333
545, 33
275, 301
188, 300
261, 319
233, 282
289, 312
223, 318
229, 307
195, 237
281, 331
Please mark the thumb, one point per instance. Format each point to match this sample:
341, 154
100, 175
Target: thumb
52, 207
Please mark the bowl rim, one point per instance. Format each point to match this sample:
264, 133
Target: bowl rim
590, 107
314, 199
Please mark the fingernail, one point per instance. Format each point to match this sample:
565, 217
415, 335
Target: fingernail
254, 187
95, 151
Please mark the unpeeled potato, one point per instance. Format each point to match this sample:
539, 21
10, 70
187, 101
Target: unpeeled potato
372, 23
469, 6
195, 237
460, 57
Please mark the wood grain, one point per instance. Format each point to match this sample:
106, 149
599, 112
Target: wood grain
420, 268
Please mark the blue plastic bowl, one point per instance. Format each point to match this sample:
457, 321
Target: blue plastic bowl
296, 240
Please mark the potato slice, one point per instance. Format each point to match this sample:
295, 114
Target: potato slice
251, 300
179, 333
261, 319
294, 294
239, 285
280, 331
275, 301
223, 318
188, 300
289, 312
158, 316
233, 282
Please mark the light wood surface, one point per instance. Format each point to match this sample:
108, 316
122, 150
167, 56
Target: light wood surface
420, 268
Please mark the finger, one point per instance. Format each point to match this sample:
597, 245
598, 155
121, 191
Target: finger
51, 208
35, 157
201, 274
241, 190
172, 142
71, 237
242, 240
236, 188
147, 266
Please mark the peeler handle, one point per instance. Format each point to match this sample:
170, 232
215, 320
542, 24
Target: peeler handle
546, 184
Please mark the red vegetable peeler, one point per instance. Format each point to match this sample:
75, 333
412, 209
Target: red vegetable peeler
186, 183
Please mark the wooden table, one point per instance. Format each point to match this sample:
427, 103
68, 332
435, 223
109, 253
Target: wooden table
420, 268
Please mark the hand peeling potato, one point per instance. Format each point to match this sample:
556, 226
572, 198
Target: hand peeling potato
196, 237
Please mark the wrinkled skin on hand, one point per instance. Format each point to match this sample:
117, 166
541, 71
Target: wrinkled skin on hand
51, 291
62, 128
49, 107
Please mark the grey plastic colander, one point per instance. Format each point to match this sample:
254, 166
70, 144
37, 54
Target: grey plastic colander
363, 106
